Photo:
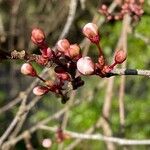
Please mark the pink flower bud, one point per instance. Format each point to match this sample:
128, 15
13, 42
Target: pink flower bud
90, 30
27, 69
85, 66
47, 143
109, 17
74, 50
37, 36
41, 60
40, 90
63, 45
104, 7
63, 76
47, 52
120, 56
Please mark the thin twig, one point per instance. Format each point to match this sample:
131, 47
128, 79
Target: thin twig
106, 113
92, 128
21, 94
27, 140
82, 3
142, 37
139, 72
125, 27
100, 137
71, 15
66, 115
14, 122
33, 129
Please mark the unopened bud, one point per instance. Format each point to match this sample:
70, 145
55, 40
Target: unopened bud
40, 90
37, 36
120, 56
27, 69
47, 52
74, 50
63, 76
90, 30
104, 7
85, 66
63, 45
109, 17
47, 143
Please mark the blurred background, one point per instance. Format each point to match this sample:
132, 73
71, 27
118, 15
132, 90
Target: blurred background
18, 17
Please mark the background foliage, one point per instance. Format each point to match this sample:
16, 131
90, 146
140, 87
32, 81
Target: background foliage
15, 28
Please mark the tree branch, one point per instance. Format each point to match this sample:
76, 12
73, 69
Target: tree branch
119, 141
139, 72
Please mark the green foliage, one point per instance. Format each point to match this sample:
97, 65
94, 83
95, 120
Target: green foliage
91, 96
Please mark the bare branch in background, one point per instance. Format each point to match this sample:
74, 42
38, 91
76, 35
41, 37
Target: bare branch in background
100, 137
71, 16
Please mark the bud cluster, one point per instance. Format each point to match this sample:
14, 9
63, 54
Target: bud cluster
86, 66
64, 60
132, 7
68, 63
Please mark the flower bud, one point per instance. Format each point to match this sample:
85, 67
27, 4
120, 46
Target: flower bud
74, 50
27, 69
41, 60
40, 90
37, 36
63, 45
85, 66
104, 7
120, 56
90, 30
109, 17
63, 76
47, 52
47, 143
